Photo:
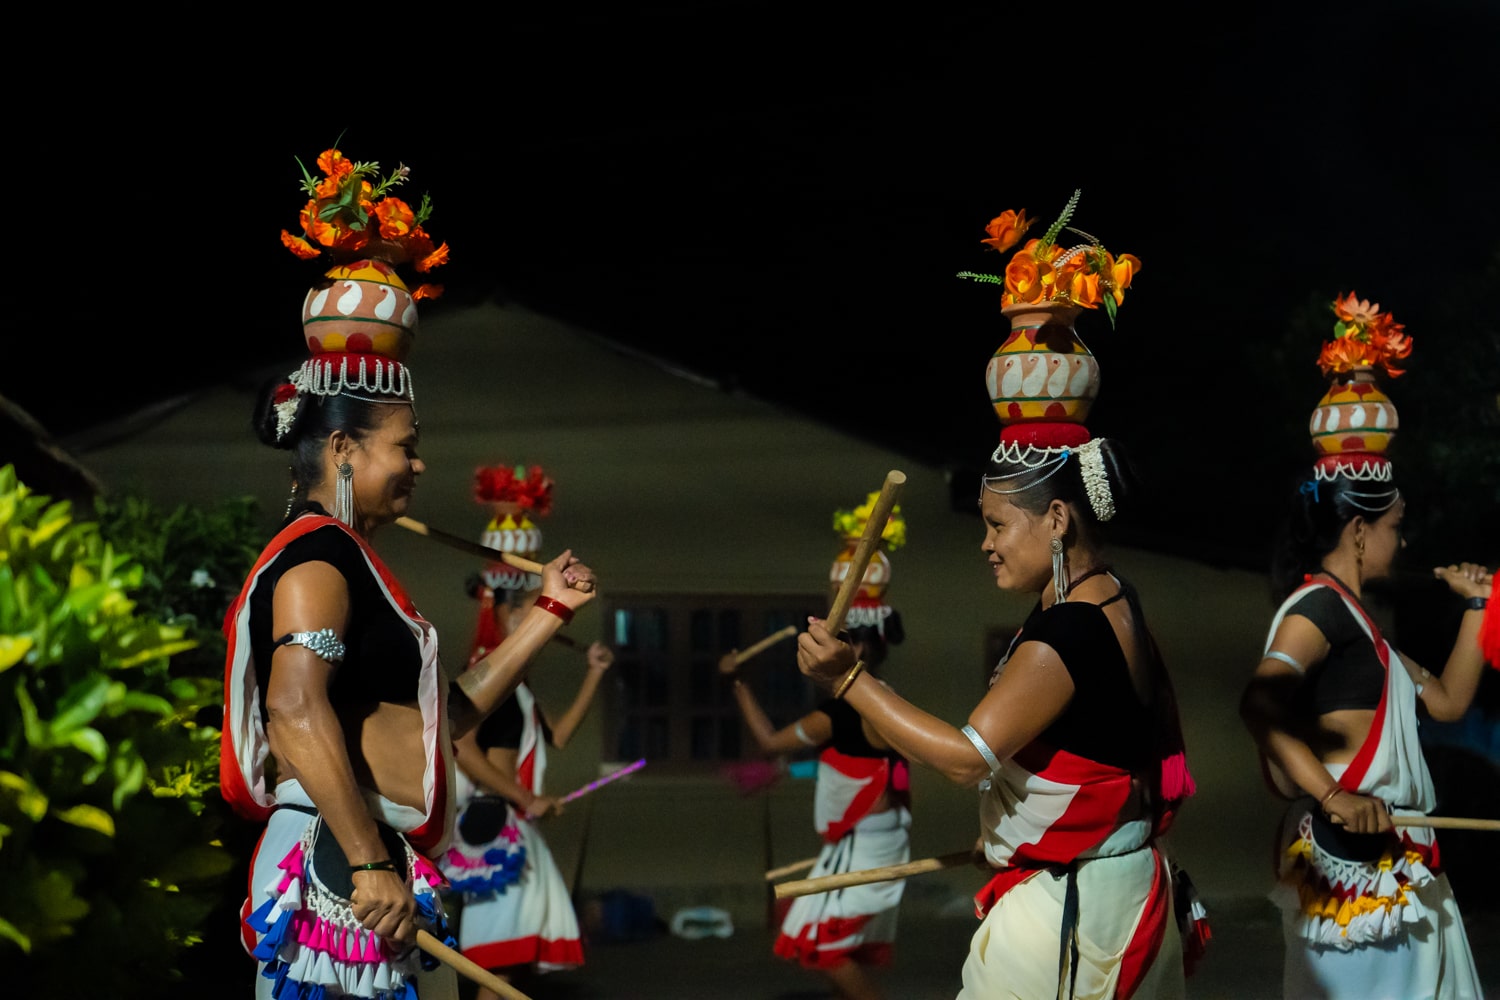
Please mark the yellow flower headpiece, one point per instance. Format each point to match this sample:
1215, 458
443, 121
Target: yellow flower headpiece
851, 523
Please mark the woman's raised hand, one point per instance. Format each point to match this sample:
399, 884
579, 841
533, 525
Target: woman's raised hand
567, 580
600, 656
823, 656
1466, 579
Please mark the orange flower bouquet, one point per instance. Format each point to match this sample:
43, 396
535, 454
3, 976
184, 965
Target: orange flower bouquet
1363, 337
1085, 274
351, 212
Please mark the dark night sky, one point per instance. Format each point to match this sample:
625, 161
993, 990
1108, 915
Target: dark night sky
780, 201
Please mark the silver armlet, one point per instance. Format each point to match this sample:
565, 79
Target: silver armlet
983, 748
1289, 660
802, 735
324, 643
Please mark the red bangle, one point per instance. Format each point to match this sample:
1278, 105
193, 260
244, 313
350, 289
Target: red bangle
558, 608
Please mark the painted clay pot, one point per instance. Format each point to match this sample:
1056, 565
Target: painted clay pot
1353, 417
510, 530
1042, 373
877, 573
361, 307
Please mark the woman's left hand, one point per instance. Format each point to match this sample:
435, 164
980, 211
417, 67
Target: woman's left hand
567, 580
600, 656
1466, 579
821, 655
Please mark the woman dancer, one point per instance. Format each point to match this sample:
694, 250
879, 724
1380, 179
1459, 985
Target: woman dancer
1076, 746
1366, 909
338, 721
517, 914
862, 802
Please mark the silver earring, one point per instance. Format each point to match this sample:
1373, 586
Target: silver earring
343, 494
1059, 572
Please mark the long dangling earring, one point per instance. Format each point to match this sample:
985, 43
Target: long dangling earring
1359, 558
343, 494
1059, 572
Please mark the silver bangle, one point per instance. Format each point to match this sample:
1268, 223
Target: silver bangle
324, 643
1287, 658
983, 748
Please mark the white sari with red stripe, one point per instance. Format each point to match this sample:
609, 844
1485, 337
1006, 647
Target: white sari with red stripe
857, 923
1371, 930
532, 922
1046, 810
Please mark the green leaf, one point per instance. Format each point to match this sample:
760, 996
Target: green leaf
27, 796
80, 705
90, 741
10, 933
88, 818
13, 649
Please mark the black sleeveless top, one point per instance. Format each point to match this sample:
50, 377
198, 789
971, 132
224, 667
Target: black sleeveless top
1105, 720
502, 728
1350, 676
382, 661
849, 732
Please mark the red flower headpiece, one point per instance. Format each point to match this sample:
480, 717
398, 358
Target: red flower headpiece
529, 487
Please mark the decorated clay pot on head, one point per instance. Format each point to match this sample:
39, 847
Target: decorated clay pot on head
513, 495
877, 574
1042, 373
362, 307
868, 607
1353, 416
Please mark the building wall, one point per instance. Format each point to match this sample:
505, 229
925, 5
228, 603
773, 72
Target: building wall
665, 483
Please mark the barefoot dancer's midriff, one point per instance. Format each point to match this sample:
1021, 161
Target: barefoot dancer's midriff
1337, 736
384, 743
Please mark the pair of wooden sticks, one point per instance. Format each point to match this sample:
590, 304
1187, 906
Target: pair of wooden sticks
827, 883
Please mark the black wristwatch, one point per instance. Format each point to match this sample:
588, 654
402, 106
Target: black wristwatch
1476, 603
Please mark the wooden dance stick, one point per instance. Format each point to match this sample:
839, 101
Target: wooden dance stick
865, 550
824, 883
472, 548
467, 968
791, 869
764, 644
1447, 822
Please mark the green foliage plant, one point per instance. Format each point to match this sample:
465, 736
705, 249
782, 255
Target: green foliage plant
109, 858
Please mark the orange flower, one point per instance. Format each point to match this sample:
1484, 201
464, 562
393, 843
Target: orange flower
1343, 354
298, 246
1122, 271
1006, 229
334, 164
434, 259
328, 187
315, 227
1026, 277
1389, 342
1355, 311
396, 218
425, 291
1083, 289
